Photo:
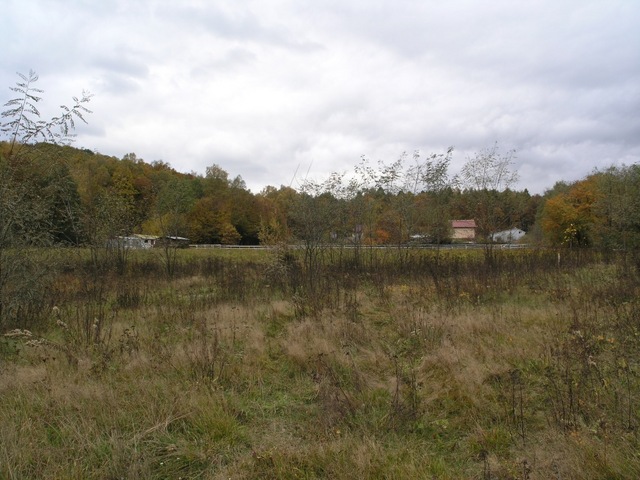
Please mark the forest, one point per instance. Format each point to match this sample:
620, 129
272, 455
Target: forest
63, 195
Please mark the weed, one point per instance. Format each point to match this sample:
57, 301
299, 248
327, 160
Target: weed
386, 364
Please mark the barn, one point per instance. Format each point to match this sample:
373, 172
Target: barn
508, 236
464, 230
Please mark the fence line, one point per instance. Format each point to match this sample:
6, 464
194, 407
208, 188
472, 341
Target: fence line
458, 246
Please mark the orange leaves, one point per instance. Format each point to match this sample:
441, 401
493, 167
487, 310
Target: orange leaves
568, 218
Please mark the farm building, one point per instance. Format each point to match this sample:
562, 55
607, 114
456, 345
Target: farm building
148, 241
138, 240
133, 241
508, 236
464, 230
122, 241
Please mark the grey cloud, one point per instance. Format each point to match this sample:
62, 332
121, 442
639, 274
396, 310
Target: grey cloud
235, 23
122, 62
262, 87
232, 60
119, 72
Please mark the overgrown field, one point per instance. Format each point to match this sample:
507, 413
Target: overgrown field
283, 364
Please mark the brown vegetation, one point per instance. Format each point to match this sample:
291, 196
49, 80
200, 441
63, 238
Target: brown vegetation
400, 365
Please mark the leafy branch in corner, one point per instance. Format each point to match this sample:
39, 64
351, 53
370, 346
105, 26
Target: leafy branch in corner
24, 125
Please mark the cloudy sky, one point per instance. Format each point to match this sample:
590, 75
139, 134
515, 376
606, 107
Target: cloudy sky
266, 88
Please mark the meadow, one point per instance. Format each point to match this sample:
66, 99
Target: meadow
335, 363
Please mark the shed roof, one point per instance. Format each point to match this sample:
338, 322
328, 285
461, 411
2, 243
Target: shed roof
145, 237
463, 223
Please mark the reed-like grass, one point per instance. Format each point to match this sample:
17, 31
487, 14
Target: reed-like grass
396, 364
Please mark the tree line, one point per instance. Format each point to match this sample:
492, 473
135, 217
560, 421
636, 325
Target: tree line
53, 193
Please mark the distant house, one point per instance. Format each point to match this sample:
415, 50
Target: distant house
147, 241
508, 236
132, 241
122, 242
464, 230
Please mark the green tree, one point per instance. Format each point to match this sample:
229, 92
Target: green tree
274, 206
618, 208
217, 174
173, 204
210, 222
34, 209
244, 213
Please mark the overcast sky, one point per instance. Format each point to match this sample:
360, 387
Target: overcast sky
267, 87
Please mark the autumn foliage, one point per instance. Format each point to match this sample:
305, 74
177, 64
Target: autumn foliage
602, 211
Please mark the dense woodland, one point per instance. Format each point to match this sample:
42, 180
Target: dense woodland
68, 196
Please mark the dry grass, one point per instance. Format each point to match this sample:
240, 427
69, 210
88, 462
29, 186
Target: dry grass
392, 378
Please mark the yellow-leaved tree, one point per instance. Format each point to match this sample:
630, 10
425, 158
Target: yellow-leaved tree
568, 218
